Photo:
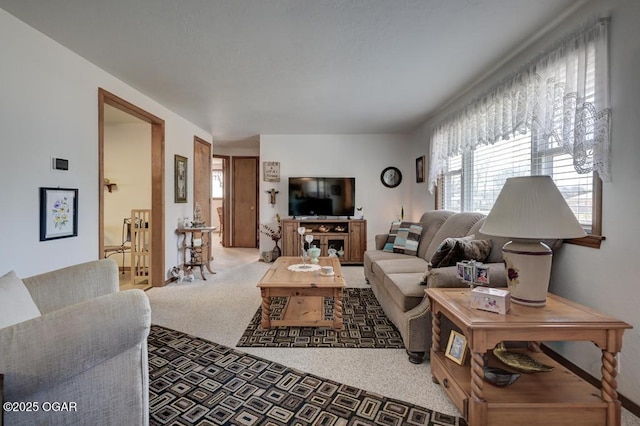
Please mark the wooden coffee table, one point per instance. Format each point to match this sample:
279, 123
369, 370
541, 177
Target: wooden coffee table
305, 292
554, 398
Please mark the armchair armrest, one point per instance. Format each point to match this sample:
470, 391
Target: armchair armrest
54, 290
41, 352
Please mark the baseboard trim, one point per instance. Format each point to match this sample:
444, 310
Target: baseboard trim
626, 402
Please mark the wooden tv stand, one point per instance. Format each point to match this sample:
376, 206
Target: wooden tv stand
554, 398
348, 236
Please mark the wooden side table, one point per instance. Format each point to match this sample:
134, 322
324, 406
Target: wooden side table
552, 398
197, 241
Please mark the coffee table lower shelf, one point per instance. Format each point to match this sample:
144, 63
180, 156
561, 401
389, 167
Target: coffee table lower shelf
551, 399
307, 311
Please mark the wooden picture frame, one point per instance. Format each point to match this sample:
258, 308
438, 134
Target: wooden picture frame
180, 179
58, 213
456, 347
420, 169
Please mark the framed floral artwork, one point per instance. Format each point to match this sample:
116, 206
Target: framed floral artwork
58, 213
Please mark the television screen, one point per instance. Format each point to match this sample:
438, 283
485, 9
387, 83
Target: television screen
322, 196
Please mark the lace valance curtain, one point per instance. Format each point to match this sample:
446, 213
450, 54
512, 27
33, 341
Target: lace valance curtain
562, 96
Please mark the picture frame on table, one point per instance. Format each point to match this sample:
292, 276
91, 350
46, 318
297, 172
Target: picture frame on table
420, 169
58, 213
456, 347
180, 179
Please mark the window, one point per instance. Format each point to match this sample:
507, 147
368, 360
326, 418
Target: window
550, 118
472, 181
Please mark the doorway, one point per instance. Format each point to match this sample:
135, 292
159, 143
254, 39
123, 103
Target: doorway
220, 191
245, 202
157, 261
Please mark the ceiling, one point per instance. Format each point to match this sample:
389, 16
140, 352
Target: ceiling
240, 68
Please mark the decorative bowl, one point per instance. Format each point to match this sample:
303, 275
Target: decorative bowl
499, 377
314, 253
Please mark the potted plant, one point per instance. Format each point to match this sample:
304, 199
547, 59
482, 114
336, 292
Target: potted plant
275, 234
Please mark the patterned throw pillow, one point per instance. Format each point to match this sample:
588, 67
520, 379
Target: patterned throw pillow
408, 238
393, 232
454, 250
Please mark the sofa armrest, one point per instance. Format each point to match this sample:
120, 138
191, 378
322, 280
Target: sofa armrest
37, 354
55, 290
448, 277
380, 240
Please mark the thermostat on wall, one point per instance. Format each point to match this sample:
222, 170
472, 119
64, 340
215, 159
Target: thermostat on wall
59, 164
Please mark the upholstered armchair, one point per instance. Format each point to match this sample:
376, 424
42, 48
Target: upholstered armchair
88, 350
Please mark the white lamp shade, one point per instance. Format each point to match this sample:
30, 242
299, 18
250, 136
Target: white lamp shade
531, 207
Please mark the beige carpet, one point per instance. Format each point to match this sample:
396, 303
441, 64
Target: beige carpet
220, 308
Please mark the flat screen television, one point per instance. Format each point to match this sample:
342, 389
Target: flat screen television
322, 196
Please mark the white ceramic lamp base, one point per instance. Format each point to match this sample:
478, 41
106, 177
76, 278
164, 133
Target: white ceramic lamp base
528, 269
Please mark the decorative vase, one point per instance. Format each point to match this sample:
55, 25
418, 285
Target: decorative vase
314, 254
275, 253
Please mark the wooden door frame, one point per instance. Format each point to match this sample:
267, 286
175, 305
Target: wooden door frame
257, 200
226, 190
157, 180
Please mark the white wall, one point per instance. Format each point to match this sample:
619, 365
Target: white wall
49, 107
360, 156
606, 278
127, 163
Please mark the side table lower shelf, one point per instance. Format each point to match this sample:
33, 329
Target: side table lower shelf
552, 398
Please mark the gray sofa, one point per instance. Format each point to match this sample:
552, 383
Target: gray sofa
395, 278
88, 348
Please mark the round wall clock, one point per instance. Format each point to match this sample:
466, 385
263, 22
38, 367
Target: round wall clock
391, 177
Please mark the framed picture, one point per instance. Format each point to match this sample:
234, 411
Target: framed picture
456, 348
180, 179
420, 169
58, 213
271, 171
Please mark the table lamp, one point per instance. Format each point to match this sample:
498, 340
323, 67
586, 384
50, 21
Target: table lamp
528, 210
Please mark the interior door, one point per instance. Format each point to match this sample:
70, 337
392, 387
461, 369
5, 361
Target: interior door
245, 202
202, 177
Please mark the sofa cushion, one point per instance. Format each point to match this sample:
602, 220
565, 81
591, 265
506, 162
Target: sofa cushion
406, 264
373, 256
453, 250
408, 238
405, 289
391, 237
431, 222
456, 226
16, 303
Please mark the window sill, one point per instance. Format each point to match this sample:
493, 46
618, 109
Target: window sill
592, 241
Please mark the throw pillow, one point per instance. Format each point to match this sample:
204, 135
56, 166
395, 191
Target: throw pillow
16, 304
391, 238
453, 250
408, 238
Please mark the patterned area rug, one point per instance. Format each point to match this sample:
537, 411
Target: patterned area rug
196, 382
365, 326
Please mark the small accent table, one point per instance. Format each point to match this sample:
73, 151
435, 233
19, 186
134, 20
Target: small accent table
198, 242
551, 398
305, 292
